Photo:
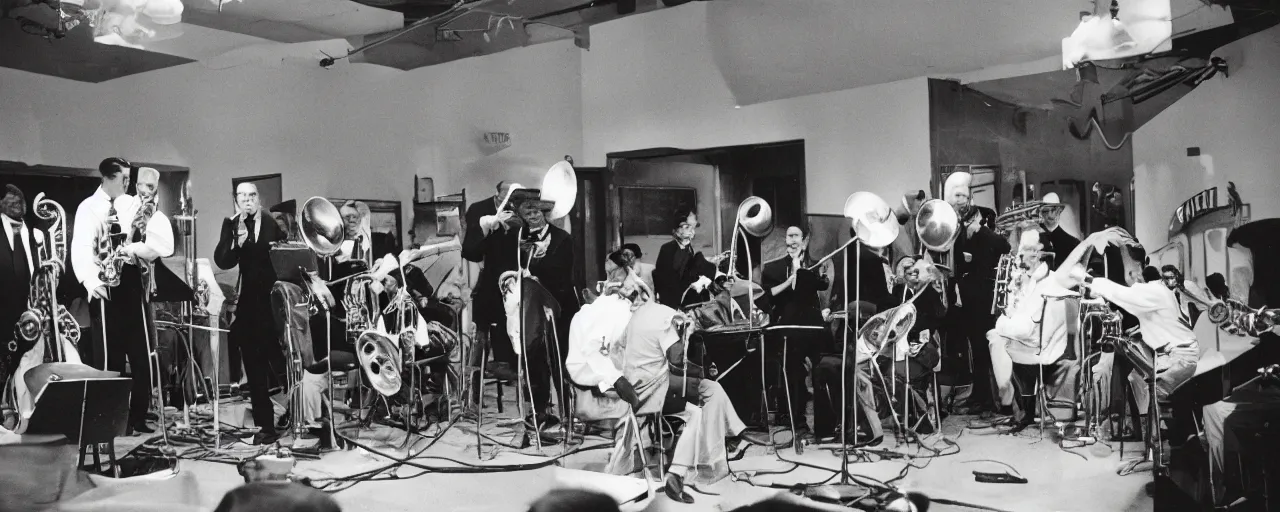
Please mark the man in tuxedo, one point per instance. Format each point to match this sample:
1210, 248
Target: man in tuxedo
549, 253
19, 257
246, 242
976, 252
484, 220
798, 296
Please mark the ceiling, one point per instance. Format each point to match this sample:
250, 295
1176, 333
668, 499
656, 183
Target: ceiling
765, 49
315, 28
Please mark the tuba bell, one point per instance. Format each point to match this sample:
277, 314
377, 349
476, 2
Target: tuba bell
756, 217
888, 328
937, 225
873, 220
380, 360
322, 227
560, 186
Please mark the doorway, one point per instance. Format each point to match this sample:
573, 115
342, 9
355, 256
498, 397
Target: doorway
646, 188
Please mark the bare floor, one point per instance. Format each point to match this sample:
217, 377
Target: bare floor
1058, 480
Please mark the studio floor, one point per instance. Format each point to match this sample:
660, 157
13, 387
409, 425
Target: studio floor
1058, 480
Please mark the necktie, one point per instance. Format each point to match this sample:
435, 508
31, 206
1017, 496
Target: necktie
248, 226
21, 269
357, 250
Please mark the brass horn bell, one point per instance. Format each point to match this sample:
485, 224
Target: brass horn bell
873, 219
322, 226
379, 357
560, 186
937, 225
756, 217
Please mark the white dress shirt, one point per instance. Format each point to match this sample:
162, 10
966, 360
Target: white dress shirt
1157, 309
90, 218
592, 336
22, 231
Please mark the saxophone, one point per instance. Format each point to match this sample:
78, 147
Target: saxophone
140, 220
45, 320
110, 259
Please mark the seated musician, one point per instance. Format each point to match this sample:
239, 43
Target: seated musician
923, 352
627, 259
432, 337
680, 268
914, 362
1169, 346
1033, 329
622, 370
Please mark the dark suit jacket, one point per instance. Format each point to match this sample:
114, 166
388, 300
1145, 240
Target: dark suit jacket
555, 269
257, 276
675, 270
874, 283
977, 276
13, 300
797, 305
496, 252
1060, 243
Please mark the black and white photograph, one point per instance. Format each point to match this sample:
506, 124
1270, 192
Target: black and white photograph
639, 255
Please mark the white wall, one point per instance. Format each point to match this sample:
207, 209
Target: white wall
1234, 121
353, 131
651, 81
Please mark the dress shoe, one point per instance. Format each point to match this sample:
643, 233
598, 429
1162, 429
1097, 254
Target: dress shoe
675, 489
502, 371
756, 438
266, 438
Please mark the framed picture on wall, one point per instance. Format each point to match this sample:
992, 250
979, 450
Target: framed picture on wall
384, 223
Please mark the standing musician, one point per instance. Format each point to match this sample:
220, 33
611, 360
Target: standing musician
679, 267
358, 243
116, 239
798, 296
246, 242
546, 253
19, 258
1055, 239
483, 221
977, 253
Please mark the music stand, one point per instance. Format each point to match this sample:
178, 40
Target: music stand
86, 411
787, 331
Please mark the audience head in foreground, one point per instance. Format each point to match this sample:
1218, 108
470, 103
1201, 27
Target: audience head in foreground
275, 497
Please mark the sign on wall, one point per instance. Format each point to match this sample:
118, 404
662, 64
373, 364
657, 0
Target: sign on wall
497, 140
1205, 203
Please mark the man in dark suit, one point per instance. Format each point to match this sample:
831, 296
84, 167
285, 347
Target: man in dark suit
679, 267
798, 296
246, 242
978, 252
19, 257
872, 283
484, 220
546, 253
1055, 239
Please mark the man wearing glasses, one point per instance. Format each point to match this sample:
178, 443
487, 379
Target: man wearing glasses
680, 269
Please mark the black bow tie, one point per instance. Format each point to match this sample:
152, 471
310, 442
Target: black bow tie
536, 236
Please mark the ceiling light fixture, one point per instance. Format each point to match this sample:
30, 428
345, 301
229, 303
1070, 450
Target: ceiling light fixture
1103, 36
131, 22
